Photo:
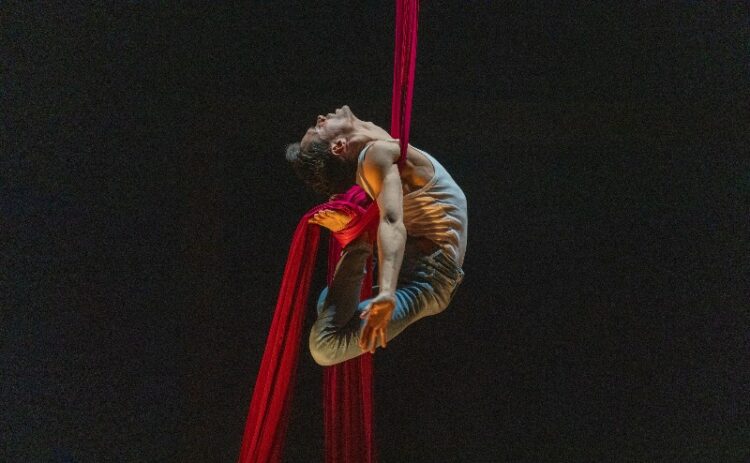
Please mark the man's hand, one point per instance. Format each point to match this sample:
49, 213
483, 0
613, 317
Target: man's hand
331, 219
377, 316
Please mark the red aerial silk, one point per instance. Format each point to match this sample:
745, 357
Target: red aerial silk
405, 58
269, 408
348, 386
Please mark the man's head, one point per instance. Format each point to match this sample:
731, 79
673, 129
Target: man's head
335, 129
323, 159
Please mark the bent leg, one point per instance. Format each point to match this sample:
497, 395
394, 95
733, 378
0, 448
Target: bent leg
426, 287
335, 332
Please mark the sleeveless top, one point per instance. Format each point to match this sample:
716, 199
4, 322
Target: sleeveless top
436, 211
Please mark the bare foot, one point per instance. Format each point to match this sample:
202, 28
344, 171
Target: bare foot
331, 219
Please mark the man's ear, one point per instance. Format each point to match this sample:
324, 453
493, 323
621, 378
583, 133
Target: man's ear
338, 146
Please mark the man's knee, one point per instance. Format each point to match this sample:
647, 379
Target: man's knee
322, 357
435, 303
323, 348
438, 308
443, 298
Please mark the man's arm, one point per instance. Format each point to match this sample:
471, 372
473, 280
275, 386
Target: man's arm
381, 173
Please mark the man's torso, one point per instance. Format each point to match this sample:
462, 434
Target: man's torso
434, 206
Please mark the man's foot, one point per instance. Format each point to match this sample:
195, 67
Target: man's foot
331, 219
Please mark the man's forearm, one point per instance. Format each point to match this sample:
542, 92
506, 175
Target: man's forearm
391, 242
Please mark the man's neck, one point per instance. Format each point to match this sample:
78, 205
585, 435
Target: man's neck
365, 132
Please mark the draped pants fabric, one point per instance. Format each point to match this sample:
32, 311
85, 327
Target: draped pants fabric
427, 284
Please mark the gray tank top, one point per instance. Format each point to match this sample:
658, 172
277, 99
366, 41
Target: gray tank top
436, 211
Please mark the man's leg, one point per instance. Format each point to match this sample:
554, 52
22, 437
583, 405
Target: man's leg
335, 333
426, 287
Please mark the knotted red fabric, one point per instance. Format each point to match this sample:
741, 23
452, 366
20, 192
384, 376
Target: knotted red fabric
348, 416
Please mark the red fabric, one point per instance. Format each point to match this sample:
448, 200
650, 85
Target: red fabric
348, 387
267, 418
405, 58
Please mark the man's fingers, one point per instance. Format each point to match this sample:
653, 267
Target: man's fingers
363, 337
318, 215
315, 218
373, 333
368, 341
373, 342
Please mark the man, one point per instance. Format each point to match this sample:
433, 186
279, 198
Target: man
421, 237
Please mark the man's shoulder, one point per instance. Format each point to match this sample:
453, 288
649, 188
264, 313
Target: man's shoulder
382, 153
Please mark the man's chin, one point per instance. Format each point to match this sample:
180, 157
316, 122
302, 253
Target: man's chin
345, 110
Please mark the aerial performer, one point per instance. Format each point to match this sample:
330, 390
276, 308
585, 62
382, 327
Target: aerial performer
382, 193
420, 235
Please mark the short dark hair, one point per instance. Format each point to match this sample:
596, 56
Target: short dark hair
320, 169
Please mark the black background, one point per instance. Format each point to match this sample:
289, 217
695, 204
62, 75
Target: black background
146, 213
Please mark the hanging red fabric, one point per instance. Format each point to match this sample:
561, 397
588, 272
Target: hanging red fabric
348, 386
267, 418
405, 59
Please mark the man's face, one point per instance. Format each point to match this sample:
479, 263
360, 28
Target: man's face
330, 126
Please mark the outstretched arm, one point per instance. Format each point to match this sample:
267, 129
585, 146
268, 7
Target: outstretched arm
381, 173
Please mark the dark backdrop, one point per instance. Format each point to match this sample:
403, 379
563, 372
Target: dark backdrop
146, 211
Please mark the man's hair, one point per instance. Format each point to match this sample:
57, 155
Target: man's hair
320, 169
